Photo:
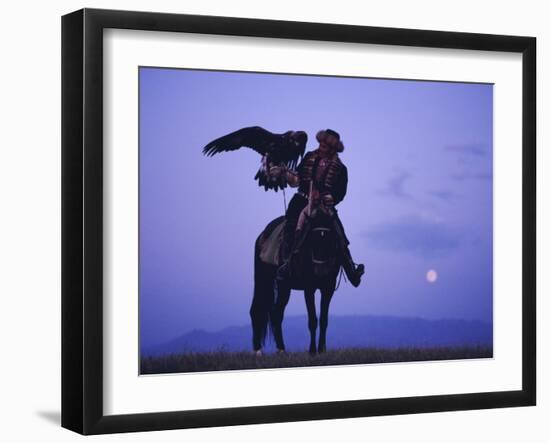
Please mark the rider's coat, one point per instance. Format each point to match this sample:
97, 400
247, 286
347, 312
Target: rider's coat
330, 176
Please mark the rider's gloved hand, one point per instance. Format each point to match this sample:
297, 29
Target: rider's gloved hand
328, 204
328, 201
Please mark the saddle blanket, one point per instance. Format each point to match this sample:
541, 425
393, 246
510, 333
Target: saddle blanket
271, 246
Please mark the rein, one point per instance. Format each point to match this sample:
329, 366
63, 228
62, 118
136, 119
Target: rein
340, 278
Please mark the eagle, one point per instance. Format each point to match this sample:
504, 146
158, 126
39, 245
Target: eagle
276, 150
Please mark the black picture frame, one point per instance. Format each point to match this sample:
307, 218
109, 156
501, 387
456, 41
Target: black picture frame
82, 218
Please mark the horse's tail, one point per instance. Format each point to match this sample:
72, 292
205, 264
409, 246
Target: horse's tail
262, 301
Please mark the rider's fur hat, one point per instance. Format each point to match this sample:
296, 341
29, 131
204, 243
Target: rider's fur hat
324, 133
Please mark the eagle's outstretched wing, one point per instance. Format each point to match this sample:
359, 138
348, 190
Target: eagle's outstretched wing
276, 149
253, 137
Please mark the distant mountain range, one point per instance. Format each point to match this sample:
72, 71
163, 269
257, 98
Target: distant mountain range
344, 331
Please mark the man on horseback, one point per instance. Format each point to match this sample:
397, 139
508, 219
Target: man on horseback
321, 178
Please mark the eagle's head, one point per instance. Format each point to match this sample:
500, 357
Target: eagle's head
297, 141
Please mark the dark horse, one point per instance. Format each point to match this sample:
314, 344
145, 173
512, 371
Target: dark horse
316, 267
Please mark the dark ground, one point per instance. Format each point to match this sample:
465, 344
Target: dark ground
224, 361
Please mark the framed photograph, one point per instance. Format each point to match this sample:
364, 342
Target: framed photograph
268, 221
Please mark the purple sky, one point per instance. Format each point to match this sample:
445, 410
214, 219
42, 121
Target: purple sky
419, 157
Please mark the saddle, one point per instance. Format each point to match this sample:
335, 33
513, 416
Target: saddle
270, 247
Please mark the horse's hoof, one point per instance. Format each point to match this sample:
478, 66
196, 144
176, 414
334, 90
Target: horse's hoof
258, 353
281, 351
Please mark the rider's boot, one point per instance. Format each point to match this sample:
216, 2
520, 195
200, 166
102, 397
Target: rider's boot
353, 271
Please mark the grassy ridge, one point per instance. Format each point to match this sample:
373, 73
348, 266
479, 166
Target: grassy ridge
224, 361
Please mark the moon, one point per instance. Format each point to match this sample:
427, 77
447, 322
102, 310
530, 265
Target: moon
431, 276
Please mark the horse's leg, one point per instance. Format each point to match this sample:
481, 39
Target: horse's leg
277, 315
312, 318
326, 296
258, 315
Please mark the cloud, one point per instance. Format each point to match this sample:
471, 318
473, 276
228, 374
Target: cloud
472, 176
395, 186
415, 235
468, 149
444, 195
471, 154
